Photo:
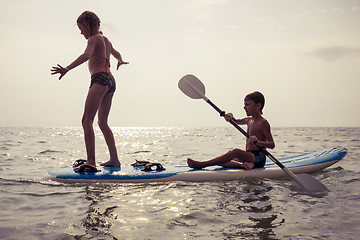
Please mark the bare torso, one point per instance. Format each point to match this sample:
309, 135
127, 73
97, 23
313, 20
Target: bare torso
256, 128
99, 60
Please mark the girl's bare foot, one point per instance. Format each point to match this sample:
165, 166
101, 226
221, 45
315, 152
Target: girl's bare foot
111, 163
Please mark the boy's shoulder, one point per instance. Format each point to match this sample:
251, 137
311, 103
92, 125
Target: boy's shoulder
262, 122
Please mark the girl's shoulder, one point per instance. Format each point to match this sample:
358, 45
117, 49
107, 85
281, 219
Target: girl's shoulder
94, 39
102, 38
98, 36
99, 39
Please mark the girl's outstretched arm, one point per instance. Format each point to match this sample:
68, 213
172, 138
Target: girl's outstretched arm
117, 55
80, 60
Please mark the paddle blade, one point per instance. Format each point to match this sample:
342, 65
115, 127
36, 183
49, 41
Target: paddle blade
312, 184
192, 87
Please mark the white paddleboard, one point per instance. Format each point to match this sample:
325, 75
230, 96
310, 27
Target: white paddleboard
300, 164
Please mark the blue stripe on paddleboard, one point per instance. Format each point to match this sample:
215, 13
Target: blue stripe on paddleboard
308, 159
126, 172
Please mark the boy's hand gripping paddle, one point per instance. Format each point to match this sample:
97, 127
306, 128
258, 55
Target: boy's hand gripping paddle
194, 88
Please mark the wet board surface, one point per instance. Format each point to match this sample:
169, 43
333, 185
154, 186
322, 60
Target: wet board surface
304, 163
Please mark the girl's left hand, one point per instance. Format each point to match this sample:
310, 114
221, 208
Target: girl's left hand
121, 63
59, 69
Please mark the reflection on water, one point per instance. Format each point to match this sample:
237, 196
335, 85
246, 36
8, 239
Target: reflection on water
130, 210
252, 209
252, 202
234, 209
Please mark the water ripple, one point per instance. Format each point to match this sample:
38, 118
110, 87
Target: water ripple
252, 209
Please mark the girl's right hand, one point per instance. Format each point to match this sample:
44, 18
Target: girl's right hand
229, 116
59, 69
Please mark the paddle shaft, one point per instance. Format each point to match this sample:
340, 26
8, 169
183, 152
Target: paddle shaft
261, 148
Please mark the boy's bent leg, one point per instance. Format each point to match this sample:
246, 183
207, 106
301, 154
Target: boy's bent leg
221, 160
235, 163
103, 115
92, 103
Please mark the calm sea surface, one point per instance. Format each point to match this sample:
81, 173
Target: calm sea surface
254, 209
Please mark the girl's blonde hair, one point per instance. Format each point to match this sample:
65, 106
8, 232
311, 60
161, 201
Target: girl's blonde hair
90, 19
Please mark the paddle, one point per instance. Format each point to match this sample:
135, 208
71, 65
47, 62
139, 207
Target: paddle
194, 88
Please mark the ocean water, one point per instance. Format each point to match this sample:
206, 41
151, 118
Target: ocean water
32, 208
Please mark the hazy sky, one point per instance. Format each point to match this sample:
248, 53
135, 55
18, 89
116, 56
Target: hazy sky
303, 55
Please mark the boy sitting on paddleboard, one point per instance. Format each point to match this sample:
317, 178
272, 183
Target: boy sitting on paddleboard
258, 129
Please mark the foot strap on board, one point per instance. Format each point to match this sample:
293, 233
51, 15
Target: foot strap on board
81, 166
78, 163
149, 167
140, 163
86, 168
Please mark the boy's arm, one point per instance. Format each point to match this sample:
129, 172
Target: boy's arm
269, 142
243, 121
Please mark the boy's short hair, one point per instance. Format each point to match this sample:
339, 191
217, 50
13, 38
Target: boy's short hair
257, 97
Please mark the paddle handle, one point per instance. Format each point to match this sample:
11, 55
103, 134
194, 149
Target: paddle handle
222, 114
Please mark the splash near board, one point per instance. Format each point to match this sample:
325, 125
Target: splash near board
300, 164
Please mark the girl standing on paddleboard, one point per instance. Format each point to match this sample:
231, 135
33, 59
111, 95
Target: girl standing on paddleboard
102, 87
